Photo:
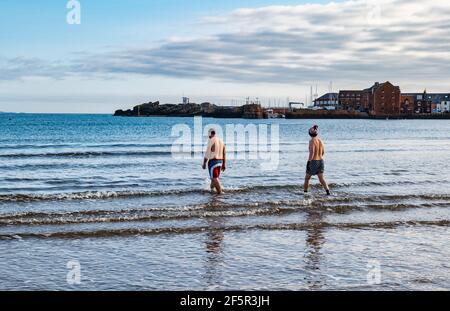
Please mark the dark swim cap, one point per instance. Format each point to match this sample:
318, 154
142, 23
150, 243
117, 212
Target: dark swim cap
314, 130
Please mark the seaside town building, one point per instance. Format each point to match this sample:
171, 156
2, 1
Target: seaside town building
439, 102
384, 99
353, 100
407, 104
445, 103
427, 103
380, 99
329, 101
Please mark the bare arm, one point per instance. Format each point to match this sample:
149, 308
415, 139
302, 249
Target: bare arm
224, 165
205, 160
311, 151
323, 148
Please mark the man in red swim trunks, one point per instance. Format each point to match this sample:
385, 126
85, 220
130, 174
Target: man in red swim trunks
215, 157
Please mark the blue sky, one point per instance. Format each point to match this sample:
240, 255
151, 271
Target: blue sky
39, 28
134, 51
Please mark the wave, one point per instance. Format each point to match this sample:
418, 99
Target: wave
107, 233
81, 145
103, 195
98, 195
201, 211
85, 154
93, 154
31, 146
141, 217
54, 166
121, 145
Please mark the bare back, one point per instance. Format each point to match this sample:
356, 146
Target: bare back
316, 149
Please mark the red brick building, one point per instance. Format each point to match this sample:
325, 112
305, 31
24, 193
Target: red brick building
354, 100
378, 100
407, 103
384, 99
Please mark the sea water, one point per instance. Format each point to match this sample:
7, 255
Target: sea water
107, 194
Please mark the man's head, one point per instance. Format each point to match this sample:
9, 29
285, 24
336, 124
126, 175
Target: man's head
211, 133
314, 131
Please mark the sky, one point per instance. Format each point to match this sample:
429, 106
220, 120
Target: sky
124, 53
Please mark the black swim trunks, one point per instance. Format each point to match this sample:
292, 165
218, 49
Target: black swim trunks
315, 167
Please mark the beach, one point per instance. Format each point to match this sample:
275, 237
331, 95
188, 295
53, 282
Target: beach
108, 194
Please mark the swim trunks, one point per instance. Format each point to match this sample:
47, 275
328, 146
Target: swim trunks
214, 168
315, 167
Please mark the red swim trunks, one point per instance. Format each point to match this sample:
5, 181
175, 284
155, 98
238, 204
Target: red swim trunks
214, 167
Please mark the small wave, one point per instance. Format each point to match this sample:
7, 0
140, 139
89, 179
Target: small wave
201, 229
74, 196
208, 210
37, 146
80, 145
141, 217
121, 145
54, 166
85, 154
102, 195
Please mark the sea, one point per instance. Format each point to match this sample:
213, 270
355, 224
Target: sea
96, 202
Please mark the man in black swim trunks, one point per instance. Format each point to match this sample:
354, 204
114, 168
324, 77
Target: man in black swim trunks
316, 165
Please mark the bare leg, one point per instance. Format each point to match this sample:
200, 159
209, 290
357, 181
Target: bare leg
217, 185
306, 185
212, 186
324, 183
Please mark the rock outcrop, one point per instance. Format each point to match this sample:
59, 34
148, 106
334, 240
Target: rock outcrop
189, 110
155, 109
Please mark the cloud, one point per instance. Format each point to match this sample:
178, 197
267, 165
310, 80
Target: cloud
21, 67
352, 41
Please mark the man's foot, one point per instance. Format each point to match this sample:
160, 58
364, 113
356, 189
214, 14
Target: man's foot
328, 192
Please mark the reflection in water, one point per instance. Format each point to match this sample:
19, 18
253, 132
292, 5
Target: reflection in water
214, 248
315, 239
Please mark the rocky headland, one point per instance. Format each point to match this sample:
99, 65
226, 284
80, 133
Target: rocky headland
251, 111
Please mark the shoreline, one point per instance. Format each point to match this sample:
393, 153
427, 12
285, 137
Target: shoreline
305, 117
256, 111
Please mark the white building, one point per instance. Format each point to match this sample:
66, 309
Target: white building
329, 101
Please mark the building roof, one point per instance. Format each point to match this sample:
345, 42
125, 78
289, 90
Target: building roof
434, 97
328, 96
438, 97
351, 91
378, 85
